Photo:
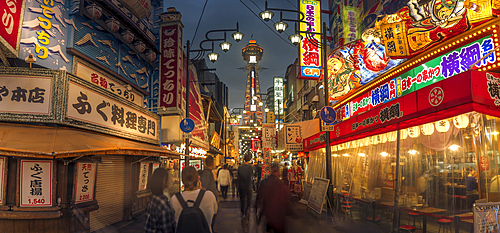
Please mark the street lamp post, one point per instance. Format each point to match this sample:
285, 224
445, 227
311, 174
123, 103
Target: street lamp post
237, 36
280, 26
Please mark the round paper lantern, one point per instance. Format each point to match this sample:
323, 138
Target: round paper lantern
150, 55
360, 142
461, 121
94, 11
367, 141
428, 129
403, 134
334, 148
414, 132
127, 36
347, 145
140, 46
113, 24
374, 140
442, 126
392, 136
384, 138
354, 144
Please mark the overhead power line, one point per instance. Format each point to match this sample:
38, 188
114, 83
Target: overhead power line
201, 16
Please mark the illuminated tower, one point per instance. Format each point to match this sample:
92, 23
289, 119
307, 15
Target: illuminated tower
252, 53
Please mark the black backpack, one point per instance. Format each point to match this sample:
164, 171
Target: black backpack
192, 219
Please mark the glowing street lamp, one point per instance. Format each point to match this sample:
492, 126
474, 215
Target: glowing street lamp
280, 26
266, 15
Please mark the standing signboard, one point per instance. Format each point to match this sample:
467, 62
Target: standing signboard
36, 183
85, 182
143, 176
317, 194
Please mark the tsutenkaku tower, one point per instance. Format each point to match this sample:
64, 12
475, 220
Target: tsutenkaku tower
252, 53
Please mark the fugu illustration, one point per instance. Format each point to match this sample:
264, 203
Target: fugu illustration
104, 59
86, 39
108, 43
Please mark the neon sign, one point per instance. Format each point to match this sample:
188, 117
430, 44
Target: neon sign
310, 54
278, 95
435, 70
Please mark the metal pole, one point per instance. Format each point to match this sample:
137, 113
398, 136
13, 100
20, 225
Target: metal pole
186, 152
395, 223
327, 139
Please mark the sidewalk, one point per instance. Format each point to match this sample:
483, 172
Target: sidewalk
228, 220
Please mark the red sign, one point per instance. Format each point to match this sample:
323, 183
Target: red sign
11, 22
170, 65
484, 163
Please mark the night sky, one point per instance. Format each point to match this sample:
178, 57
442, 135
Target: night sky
223, 14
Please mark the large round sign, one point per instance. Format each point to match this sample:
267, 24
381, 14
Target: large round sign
328, 115
187, 125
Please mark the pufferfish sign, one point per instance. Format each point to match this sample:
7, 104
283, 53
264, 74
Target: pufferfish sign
358, 63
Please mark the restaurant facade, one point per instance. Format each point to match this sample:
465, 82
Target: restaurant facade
410, 135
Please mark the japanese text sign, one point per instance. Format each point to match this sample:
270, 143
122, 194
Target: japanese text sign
107, 83
215, 140
293, 138
268, 136
394, 36
25, 94
309, 53
85, 181
2, 175
278, 96
266, 165
350, 17
91, 107
435, 70
192, 163
170, 66
36, 183
12, 18
143, 176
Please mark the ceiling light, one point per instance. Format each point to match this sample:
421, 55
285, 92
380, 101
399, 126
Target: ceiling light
454, 147
384, 154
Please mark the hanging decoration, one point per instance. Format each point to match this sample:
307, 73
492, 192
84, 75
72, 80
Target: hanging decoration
461, 121
334, 148
354, 144
413, 132
428, 129
94, 10
392, 136
128, 36
367, 141
113, 24
403, 134
140, 46
442, 126
384, 138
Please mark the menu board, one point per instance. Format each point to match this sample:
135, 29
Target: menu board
317, 194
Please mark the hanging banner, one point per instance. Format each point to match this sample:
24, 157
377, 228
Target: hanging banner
309, 51
12, 19
269, 136
170, 66
293, 138
36, 183
85, 182
394, 36
143, 176
266, 163
350, 17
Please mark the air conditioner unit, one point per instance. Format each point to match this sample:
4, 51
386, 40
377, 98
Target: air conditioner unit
315, 98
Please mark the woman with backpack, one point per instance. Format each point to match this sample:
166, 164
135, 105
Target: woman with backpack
159, 212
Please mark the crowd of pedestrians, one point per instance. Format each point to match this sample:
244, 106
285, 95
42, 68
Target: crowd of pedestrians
195, 209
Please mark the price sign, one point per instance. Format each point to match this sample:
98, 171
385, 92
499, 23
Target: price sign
85, 180
36, 183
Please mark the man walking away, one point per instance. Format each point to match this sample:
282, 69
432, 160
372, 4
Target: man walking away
235, 179
224, 181
273, 200
194, 208
208, 181
245, 173
258, 172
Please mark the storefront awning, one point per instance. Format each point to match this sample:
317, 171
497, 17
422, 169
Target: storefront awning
64, 142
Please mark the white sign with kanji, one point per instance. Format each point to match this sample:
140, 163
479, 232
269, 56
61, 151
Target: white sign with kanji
92, 107
269, 136
293, 138
25, 94
85, 180
36, 183
2, 171
143, 176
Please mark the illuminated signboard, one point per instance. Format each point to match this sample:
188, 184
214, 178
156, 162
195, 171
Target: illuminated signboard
310, 54
12, 19
350, 16
435, 70
278, 95
357, 63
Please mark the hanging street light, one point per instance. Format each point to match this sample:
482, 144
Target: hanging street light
213, 57
280, 26
237, 36
295, 39
266, 15
225, 46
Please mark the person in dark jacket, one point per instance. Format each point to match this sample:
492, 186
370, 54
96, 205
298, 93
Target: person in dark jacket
159, 212
245, 174
208, 182
274, 201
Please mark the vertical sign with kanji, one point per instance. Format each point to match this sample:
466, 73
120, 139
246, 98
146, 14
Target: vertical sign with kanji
2, 171
143, 176
12, 21
395, 39
266, 165
350, 17
36, 183
309, 51
85, 180
170, 65
269, 136
278, 96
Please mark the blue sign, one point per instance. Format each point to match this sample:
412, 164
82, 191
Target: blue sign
279, 121
187, 125
328, 115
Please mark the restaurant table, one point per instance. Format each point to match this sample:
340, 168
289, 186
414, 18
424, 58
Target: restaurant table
427, 211
468, 214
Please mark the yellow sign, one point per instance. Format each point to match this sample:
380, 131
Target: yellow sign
479, 10
215, 141
350, 17
310, 53
395, 39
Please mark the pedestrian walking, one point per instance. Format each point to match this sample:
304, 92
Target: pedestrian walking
284, 175
224, 181
245, 173
159, 212
258, 172
195, 207
208, 182
235, 179
273, 201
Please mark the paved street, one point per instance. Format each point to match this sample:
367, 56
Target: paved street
301, 221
